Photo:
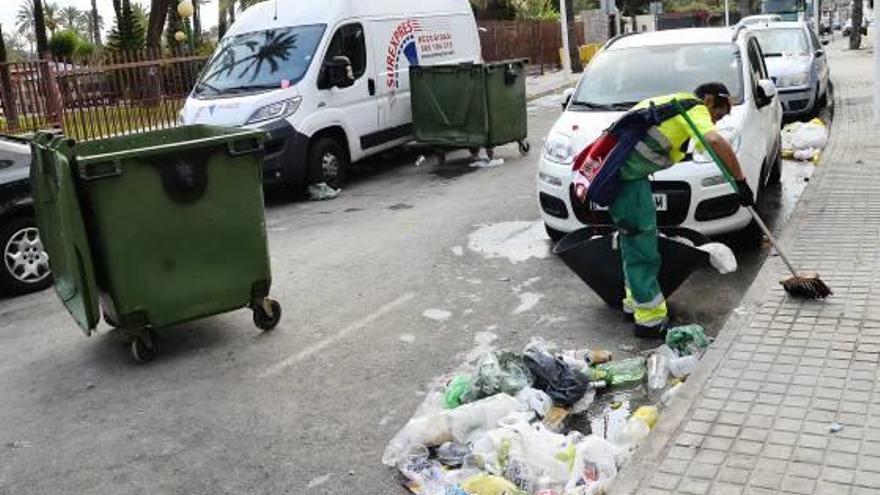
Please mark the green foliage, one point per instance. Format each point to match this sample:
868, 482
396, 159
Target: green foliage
84, 48
535, 10
128, 33
63, 43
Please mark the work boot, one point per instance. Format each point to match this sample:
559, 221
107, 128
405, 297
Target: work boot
652, 331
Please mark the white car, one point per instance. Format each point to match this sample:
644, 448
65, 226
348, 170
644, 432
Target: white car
690, 194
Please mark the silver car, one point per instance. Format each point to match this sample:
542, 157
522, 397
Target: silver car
798, 65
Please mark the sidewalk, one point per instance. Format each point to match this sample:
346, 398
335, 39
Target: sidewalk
755, 417
549, 82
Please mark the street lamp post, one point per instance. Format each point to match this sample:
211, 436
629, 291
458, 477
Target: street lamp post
563, 14
876, 29
185, 10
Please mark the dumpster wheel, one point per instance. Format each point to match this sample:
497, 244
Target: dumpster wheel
267, 314
144, 345
524, 147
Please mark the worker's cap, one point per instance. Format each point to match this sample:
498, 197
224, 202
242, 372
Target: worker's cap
716, 89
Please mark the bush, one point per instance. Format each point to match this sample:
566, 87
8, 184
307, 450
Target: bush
63, 43
84, 48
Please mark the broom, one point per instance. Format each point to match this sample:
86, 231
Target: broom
808, 286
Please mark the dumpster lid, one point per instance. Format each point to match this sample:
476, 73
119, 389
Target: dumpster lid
62, 230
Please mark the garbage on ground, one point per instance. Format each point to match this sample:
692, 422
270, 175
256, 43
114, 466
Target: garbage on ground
835, 427
720, 256
804, 140
322, 192
687, 340
543, 421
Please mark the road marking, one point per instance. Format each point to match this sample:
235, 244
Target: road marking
322, 344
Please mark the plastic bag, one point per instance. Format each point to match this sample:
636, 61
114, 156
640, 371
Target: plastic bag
537, 400
456, 390
487, 484
594, 466
563, 383
687, 340
452, 454
720, 256
812, 134
503, 372
432, 425
322, 192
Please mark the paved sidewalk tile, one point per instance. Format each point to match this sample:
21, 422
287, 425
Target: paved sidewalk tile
760, 420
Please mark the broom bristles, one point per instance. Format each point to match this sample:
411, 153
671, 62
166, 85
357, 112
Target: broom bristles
811, 287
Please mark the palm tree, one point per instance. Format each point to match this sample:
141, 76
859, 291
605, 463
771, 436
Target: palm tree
24, 20
52, 17
72, 18
96, 23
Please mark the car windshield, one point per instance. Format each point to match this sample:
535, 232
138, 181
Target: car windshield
618, 79
779, 42
260, 60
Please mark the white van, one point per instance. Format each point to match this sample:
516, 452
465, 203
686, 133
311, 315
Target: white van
328, 79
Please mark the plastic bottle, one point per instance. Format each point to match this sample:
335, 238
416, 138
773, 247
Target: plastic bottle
638, 426
625, 371
670, 394
683, 366
658, 371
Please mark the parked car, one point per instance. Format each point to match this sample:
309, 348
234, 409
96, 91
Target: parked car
798, 66
757, 20
693, 193
328, 80
25, 265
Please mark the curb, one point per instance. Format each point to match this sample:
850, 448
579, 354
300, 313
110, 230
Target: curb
549, 92
648, 457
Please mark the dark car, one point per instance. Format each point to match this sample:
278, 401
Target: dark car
25, 265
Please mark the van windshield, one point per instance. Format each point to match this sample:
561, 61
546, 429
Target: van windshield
260, 60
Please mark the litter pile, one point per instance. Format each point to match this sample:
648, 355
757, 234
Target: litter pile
541, 421
804, 141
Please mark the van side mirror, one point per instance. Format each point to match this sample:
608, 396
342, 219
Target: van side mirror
566, 97
764, 92
336, 73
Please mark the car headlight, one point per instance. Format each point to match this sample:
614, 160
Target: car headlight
277, 110
797, 79
558, 148
732, 136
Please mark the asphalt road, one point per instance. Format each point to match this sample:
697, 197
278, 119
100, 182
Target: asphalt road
383, 289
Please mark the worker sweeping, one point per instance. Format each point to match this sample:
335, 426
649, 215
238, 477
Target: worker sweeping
615, 172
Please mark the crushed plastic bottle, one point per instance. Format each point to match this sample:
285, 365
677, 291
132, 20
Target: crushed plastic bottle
638, 426
658, 371
625, 371
683, 366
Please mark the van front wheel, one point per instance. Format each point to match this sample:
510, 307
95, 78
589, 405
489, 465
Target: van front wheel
328, 156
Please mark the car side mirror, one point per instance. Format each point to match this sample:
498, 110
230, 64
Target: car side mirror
336, 73
764, 92
566, 97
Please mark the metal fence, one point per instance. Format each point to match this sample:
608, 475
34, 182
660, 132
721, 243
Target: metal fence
538, 41
88, 98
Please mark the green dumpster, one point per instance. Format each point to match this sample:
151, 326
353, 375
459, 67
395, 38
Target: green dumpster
162, 228
470, 105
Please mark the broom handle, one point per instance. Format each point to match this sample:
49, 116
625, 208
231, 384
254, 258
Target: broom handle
730, 180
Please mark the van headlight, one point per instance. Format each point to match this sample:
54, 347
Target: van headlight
277, 110
558, 149
732, 136
796, 79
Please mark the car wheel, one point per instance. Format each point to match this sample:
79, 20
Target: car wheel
553, 234
328, 155
25, 265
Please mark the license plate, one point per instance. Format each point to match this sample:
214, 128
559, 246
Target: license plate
659, 203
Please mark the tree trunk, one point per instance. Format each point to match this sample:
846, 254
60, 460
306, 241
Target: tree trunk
7, 98
40, 29
156, 24
855, 34
96, 29
574, 51
221, 20
231, 12
745, 8
197, 24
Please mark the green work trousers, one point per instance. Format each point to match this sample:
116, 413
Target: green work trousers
635, 217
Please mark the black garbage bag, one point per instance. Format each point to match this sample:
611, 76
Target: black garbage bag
563, 383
